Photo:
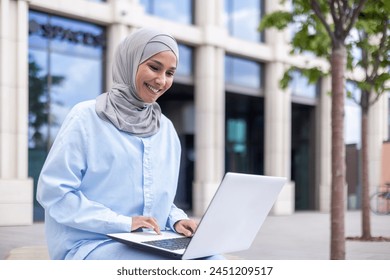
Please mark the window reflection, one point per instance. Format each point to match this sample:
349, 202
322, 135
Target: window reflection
355, 52
65, 67
185, 67
38, 99
242, 19
300, 86
352, 128
244, 133
65, 35
243, 72
175, 10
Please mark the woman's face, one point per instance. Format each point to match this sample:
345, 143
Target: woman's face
155, 76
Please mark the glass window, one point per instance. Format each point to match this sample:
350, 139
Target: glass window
302, 155
63, 54
175, 10
244, 133
243, 72
65, 68
299, 23
352, 119
355, 51
242, 19
300, 86
185, 67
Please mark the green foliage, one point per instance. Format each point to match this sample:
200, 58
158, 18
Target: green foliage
312, 74
284, 82
279, 20
311, 37
365, 47
380, 82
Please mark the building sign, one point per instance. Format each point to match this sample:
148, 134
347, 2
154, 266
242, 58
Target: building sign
64, 34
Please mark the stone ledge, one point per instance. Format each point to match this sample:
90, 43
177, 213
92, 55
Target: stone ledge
40, 253
29, 253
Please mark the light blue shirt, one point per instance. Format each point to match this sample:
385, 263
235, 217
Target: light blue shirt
96, 178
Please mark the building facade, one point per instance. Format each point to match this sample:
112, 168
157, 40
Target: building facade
226, 103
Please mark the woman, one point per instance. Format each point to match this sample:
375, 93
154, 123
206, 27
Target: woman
114, 165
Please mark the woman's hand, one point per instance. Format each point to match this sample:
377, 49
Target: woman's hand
145, 222
186, 227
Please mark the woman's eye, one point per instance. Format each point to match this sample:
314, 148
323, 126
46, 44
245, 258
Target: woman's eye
154, 68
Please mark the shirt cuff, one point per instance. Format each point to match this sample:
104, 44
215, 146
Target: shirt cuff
177, 216
123, 223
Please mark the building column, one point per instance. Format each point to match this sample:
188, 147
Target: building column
209, 105
115, 34
323, 147
125, 13
277, 149
16, 189
377, 133
277, 106
209, 126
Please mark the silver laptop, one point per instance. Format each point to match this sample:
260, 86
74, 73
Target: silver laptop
230, 223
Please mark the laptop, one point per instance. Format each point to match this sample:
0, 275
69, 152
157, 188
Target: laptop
230, 224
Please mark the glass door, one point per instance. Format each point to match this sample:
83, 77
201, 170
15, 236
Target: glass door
65, 68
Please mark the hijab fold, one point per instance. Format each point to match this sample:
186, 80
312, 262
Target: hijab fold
121, 105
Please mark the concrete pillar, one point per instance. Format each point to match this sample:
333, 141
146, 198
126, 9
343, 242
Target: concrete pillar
209, 106
323, 147
209, 126
124, 12
115, 33
277, 149
16, 189
377, 133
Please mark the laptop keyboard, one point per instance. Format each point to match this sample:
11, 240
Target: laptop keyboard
171, 243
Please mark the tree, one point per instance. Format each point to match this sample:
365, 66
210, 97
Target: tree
374, 44
324, 26
39, 100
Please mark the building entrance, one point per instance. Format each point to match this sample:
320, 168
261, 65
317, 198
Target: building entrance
244, 134
302, 156
178, 105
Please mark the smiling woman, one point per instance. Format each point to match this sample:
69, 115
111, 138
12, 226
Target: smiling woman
115, 163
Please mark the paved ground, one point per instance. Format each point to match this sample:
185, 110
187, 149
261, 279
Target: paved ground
301, 236
306, 236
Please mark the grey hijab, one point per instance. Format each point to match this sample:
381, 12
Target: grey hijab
121, 105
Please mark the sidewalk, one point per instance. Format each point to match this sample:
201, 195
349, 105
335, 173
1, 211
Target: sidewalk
306, 236
301, 236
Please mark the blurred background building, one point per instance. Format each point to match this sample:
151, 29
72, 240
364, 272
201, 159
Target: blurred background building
226, 103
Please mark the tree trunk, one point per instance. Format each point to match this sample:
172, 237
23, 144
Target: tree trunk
338, 64
366, 228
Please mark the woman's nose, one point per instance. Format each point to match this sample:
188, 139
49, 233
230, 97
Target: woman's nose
161, 79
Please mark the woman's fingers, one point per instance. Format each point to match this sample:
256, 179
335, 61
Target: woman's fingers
145, 222
186, 227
